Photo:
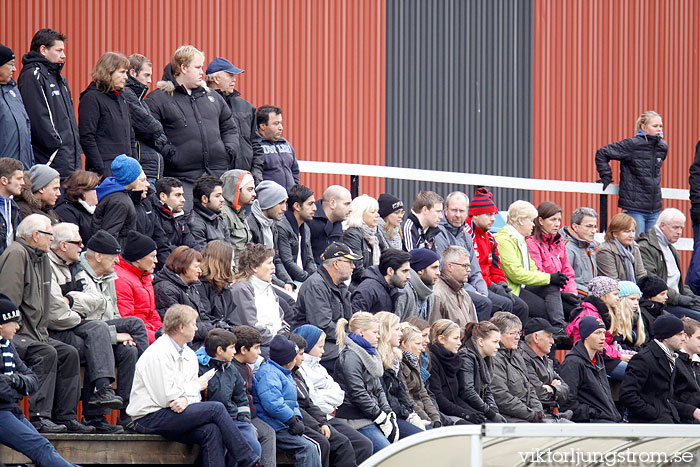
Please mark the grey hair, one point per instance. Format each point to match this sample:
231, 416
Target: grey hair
504, 321
528, 337
210, 78
668, 214
360, 205
579, 213
451, 254
327, 263
32, 223
63, 232
453, 194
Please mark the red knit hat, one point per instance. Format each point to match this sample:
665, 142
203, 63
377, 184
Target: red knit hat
482, 203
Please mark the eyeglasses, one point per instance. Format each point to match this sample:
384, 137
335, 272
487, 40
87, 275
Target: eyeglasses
512, 334
50, 234
589, 226
464, 265
76, 242
346, 261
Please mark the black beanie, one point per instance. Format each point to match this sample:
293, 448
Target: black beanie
651, 286
6, 54
388, 204
138, 246
8, 310
666, 326
103, 242
282, 350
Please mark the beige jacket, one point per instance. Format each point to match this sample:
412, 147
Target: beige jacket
452, 302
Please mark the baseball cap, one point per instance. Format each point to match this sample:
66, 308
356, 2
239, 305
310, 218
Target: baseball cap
221, 64
339, 250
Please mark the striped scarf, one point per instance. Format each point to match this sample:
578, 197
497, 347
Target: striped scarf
8, 358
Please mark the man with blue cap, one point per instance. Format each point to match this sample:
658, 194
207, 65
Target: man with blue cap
222, 76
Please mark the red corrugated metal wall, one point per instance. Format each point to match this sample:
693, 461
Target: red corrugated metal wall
322, 61
597, 65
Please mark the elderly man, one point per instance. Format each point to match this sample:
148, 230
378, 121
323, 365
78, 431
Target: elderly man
581, 246
661, 259
327, 224
15, 131
451, 300
25, 277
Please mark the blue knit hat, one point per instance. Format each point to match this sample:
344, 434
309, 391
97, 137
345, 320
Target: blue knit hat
421, 258
629, 288
282, 350
125, 169
588, 324
311, 333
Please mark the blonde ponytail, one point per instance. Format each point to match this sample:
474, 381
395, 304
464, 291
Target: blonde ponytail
643, 119
340, 333
360, 320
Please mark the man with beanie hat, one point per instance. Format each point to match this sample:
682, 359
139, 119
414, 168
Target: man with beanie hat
238, 189
16, 382
134, 283
15, 130
583, 370
117, 195
389, 228
647, 390
206, 222
294, 236
416, 298
42, 188
275, 399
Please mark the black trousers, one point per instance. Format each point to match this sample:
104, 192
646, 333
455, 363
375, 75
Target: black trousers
544, 301
336, 450
360, 443
57, 366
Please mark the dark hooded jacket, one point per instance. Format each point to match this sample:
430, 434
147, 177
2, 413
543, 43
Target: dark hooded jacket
75, 213
280, 162
176, 231
233, 213
250, 156
374, 294
218, 305
29, 204
49, 104
686, 386
15, 130
475, 375
396, 394
514, 394
14, 219
288, 244
205, 226
105, 128
323, 232
227, 386
115, 211
203, 138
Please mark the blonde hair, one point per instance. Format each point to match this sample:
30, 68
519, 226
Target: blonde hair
621, 318
520, 209
409, 333
176, 316
442, 327
388, 353
184, 56
360, 320
643, 119
107, 64
360, 205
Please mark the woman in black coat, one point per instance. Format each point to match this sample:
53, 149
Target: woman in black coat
362, 236
214, 286
79, 201
103, 115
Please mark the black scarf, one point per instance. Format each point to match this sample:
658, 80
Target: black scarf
449, 361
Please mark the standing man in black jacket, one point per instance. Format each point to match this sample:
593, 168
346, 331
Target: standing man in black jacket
49, 104
222, 76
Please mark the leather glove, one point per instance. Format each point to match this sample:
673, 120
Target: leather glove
296, 427
436, 424
495, 417
571, 299
416, 421
475, 418
505, 287
558, 279
496, 288
383, 421
537, 417
73, 286
686, 300
15, 382
605, 182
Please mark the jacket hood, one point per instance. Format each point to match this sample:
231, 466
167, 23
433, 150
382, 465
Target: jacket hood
27, 196
168, 275
372, 273
231, 186
35, 58
593, 303
579, 352
137, 87
169, 85
419, 286
569, 236
109, 185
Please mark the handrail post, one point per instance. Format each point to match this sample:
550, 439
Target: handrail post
603, 210
354, 186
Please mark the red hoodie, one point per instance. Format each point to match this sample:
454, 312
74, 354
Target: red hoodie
486, 248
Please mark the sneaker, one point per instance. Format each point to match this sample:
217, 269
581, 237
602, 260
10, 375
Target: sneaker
101, 426
106, 399
74, 426
44, 425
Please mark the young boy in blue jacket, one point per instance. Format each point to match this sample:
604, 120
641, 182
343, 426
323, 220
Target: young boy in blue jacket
227, 385
275, 398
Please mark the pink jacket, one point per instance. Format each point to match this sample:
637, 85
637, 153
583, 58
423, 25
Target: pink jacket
572, 330
550, 256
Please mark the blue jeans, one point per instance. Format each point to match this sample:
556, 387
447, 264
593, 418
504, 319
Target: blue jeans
619, 372
681, 311
407, 428
644, 220
248, 433
20, 435
305, 451
374, 433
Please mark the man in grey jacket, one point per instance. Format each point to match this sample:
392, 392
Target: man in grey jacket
416, 298
15, 130
581, 246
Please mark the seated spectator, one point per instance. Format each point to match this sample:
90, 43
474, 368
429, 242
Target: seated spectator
411, 349
647, 390
116, 209
408, 420
619, 257
25, 277
227, 385
362, 236
581, 246
327, 224
238, 189
359, 373
335, 447
443, 383
11, 184
294, 237
257, 303
15, 129
421, 225
480, 344
215, 281
177, 283
627, 322
583, 370
147, 218
451, 300
91, 338
417, 297
661, 258
383, 284
424, 328
551, 390
686, 385
324, 298
103, 115
134, 284
540, 290
16, 382
653, 301
166, 400
247, 347
280, 158
325, 393
79, 201
513, 392
601, 302
482, 212
206, 222
170, 217
275, 399
98, 301
42, 187
389, 223
454, 232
